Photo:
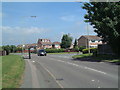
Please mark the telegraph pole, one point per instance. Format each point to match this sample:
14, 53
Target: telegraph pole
88, 38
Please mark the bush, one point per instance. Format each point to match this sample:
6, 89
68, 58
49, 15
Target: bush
75, 49
54, 50
92, 50
81, 48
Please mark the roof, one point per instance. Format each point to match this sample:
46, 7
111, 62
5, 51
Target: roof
56, 43
91, 37
44, 43
43, 39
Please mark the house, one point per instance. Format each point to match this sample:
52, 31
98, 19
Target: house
26, 46
56, 45
44, 43
91, 41
30, 45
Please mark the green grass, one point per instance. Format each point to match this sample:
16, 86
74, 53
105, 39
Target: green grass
106, 58
12, 71
82, 56
0, 72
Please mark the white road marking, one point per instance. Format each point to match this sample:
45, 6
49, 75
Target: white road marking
80, 66
33, 61
51, 75
92, 80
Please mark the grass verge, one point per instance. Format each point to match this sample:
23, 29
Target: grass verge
0, 72
106, 58
82, 56
12, 71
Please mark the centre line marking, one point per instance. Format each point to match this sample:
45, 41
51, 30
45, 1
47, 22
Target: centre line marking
80, 66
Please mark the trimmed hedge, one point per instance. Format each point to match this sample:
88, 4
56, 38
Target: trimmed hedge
54, 50
92, 50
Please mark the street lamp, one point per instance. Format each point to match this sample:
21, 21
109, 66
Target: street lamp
88, 39
23, 49
23, 38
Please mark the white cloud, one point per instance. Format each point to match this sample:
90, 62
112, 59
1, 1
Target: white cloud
20, 30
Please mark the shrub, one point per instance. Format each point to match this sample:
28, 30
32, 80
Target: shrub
54, 50
76, 49
81, 48
92, 50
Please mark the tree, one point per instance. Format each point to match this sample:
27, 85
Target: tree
75, 43
66, 41
19, 49
13, 48
7, 49
105, 19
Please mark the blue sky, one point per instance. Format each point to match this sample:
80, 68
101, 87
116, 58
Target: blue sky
53, 20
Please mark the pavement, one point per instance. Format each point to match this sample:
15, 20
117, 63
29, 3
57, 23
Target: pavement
61, 71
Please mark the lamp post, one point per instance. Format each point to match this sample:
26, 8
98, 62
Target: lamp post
23, 38
30, 47
23, 49
88, 39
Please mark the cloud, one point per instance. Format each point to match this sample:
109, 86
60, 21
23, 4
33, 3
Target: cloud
68, 18
21, 30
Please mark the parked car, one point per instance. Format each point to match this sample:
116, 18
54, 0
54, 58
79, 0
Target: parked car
41, 52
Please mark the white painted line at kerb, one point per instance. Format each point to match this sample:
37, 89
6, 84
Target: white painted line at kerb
80, 66
52, 75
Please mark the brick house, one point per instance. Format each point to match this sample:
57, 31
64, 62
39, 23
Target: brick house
91, 41
30, 45
44, 43
56, 45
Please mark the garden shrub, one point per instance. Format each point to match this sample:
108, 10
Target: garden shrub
92, 50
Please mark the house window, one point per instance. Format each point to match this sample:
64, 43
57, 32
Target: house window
92, 40
99, 40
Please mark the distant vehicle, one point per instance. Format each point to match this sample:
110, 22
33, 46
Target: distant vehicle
41, 52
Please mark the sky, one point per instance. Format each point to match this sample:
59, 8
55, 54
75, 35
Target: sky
53, 19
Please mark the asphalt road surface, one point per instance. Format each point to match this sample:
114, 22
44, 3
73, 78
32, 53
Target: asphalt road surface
61, 71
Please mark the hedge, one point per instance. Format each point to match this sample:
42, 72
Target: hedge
54, 50
92, 50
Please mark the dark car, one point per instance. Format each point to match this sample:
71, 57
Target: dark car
41, 52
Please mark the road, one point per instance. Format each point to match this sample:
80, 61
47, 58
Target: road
61, 71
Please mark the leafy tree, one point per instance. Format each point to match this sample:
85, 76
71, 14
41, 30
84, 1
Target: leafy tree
105, 19
7, 49
13, 48
75, 43
66, 41
19, 49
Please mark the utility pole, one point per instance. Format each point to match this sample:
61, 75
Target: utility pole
23, 40
88, 38
29, 53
